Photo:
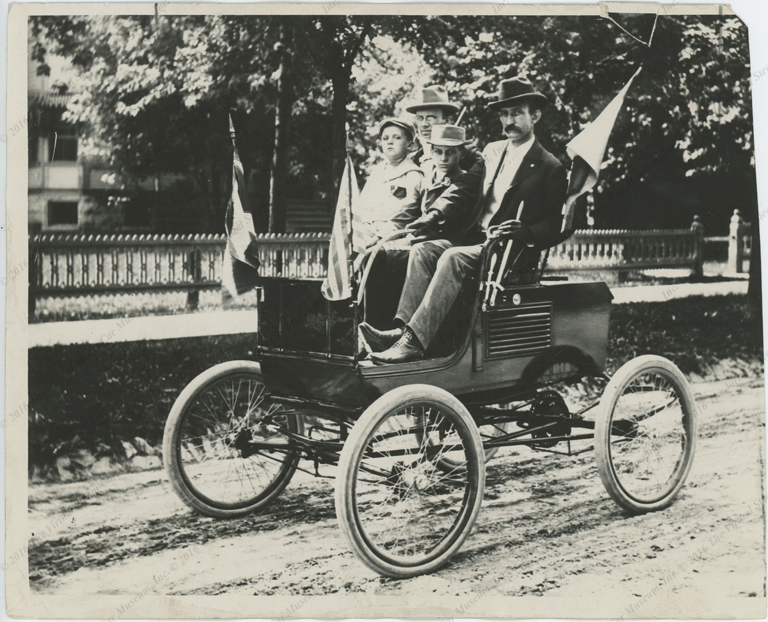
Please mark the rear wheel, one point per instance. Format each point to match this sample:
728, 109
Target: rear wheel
487, 432
225, 449
645, 434
402, 514
491, 431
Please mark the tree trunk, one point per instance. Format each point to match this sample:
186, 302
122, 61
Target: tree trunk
207, 173
278, 174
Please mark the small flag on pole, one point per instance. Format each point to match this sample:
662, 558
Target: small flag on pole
348, 239
241, 257
587, 150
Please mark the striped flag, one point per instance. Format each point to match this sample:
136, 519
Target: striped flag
348, 239
587, 150
241, 257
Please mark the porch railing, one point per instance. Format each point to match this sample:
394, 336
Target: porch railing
621, 249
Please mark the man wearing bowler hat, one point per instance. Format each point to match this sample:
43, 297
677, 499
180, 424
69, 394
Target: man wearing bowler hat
522, 191
431, 107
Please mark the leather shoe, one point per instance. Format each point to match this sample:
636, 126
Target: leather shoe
406, 349
379, 340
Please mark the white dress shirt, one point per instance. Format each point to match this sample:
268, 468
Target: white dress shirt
508, 168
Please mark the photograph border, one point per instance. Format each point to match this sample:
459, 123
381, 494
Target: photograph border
21, 602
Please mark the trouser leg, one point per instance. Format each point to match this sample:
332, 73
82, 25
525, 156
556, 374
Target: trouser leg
385, 286
422, 263
454, 267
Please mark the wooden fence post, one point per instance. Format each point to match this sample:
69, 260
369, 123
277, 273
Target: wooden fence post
736, 243
195, 263
697, 272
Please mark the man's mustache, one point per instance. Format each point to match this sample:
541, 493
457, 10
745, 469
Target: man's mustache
510, 127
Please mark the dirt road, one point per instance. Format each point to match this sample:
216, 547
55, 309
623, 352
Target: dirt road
547, 528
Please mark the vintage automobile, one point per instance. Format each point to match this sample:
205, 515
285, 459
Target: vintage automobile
409, 442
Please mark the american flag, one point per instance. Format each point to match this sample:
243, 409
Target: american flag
241, 257
348, 239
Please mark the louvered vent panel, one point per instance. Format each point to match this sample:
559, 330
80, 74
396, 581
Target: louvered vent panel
519, 331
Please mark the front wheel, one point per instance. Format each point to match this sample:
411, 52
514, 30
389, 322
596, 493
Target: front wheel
645, 434
402, 514
225, 447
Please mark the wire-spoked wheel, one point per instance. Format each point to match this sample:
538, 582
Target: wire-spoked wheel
401, 513
488, 432
225, 449
645, 434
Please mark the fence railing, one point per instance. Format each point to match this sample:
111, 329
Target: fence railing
81, 265
629, 250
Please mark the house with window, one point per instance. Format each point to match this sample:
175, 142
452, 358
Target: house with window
68, 193
56, 184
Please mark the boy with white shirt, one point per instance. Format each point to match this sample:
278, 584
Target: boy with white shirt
391, 198
389, 268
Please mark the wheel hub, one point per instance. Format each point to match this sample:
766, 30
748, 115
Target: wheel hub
546, 405
242, 443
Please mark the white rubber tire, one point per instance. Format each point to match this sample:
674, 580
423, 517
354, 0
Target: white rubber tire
609, 442
388, 407
182, 483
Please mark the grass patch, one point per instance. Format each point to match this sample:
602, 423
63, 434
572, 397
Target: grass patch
99, 307
96, 395
695, 333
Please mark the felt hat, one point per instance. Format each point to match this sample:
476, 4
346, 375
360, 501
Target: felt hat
432, 97
397, 123
516, 90
447, 136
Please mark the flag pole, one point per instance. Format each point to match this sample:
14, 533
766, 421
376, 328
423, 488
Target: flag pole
350, 237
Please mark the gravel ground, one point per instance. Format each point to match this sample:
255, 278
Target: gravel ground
548, 541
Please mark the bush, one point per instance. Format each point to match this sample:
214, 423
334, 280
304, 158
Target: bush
104, 393
695, 333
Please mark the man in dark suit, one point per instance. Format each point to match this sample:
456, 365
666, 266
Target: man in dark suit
523, 189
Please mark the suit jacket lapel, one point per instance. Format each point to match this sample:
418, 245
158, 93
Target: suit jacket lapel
530, 163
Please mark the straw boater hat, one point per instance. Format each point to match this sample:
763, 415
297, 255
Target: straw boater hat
432, 97
447, 136
397, 123
516, 90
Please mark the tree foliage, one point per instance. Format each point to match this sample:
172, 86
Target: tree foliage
154, 96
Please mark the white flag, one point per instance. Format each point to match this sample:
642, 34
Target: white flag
587, 150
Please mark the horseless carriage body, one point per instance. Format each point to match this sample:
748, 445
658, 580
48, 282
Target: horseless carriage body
411, 440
